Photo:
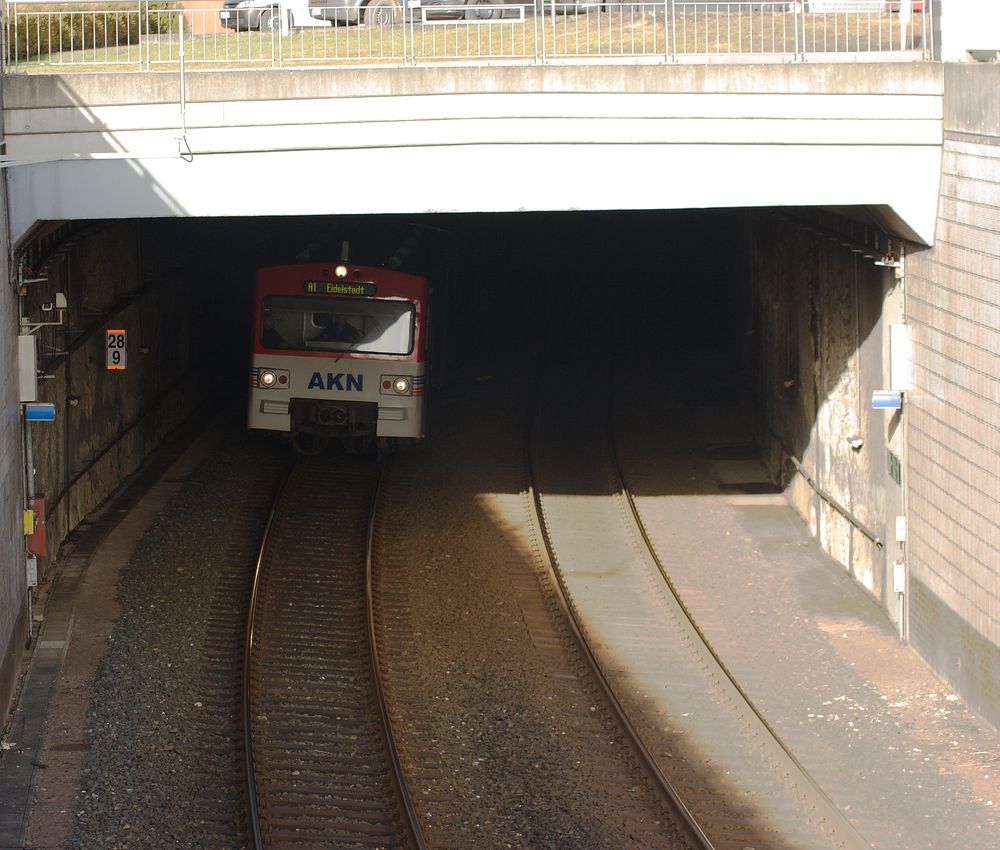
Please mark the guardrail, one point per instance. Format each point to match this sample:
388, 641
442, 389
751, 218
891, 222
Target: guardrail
150, 35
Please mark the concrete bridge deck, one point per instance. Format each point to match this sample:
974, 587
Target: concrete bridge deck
476, 139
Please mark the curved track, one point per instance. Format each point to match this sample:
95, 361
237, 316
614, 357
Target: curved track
690, 831
507, 742
321, 764
735, 778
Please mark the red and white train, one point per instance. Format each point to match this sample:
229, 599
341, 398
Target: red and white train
339, 353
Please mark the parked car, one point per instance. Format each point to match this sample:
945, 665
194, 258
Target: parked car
492, 9
266, 15
872, 7
386, 12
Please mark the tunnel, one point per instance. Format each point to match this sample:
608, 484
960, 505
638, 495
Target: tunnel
782, 316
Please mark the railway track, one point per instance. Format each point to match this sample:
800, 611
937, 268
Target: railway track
705, 741
321, 764
218, 811
507, 741
323, 770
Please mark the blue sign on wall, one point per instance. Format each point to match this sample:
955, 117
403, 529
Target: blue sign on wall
38, 411
887, 400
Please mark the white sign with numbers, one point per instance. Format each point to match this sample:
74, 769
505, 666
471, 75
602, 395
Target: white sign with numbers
115, 347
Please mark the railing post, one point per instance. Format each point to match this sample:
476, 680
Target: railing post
905, 21
7, 57
799, 10
183, 93
407, 21
275, 36
931, 23
669, 31
540, 15
792, 7
145, 27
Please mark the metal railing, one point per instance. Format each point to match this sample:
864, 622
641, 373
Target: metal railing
148, 35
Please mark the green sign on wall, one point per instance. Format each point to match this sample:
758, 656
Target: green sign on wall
895, 468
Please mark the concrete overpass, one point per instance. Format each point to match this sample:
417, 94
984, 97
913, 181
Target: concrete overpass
346, 140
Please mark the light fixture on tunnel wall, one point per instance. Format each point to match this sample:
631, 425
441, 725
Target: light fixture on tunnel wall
891, 259
58, 304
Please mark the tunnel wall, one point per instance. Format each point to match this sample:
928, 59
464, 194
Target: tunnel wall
122, 275
953, 409
12, 571
821, 335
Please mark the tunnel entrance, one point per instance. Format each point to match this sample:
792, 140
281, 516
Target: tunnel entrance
778, 317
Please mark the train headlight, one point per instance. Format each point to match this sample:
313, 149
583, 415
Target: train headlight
269, 379
397, 385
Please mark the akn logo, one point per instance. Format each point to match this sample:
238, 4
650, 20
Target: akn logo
336, 381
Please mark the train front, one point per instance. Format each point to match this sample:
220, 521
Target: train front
339, 354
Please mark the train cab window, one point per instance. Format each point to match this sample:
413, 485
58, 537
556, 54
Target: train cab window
338, 324
335, 327
270, 336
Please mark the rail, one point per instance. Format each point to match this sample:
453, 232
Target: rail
250, 769
692, 830
808, 788
147, 35
718, 725
410, 820
279, 687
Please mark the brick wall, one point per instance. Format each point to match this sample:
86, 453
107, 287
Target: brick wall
953, 411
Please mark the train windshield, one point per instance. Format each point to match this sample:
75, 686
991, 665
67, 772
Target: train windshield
305, 323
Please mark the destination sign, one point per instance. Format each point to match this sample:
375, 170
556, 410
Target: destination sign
339, 287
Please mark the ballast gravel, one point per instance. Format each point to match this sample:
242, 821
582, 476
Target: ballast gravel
144, 771
526, 756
